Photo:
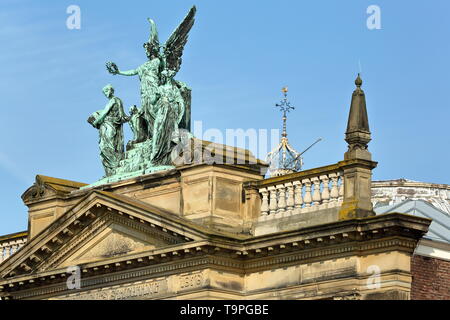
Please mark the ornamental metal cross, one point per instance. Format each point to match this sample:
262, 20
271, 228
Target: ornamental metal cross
285, 106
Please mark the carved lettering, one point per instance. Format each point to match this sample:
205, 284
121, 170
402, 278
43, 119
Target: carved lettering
191, 281
144, 290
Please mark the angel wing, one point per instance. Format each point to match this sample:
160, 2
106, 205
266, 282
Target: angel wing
173, 49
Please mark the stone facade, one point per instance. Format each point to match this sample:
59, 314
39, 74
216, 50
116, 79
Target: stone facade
189, 234
209, 230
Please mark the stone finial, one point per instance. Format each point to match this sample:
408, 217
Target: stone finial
358, 134
357, 165
358, 81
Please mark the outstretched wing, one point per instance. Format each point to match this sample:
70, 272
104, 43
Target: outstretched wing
173, 49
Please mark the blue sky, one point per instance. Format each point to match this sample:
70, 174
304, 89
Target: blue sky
239, 55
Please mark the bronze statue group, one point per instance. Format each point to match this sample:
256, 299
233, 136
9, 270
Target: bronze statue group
165, 104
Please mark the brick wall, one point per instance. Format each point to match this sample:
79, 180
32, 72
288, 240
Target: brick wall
431, 278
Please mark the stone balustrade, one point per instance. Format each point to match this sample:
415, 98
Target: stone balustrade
11, 244
301, 192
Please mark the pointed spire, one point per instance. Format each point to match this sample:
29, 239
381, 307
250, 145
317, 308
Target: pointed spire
357, 165
358, 134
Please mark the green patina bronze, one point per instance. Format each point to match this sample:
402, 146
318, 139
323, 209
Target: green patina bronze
109, 122
160, 123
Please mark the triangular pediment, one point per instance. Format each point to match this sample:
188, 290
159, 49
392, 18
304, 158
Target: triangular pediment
109, 236
100, 226
112, 242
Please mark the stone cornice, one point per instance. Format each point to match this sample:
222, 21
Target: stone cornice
164, 263
407, 183
359, 229
367, 225
362, 236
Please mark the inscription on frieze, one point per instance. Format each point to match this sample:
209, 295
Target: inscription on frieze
190, 281
146, 290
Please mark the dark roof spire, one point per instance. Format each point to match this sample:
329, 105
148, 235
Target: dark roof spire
358, 133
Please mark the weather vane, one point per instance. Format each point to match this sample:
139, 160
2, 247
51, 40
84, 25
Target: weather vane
285, 106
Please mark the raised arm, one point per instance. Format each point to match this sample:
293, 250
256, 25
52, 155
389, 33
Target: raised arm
113, 69
132, 72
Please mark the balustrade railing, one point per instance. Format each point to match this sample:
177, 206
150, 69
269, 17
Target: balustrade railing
300, 192
10, 246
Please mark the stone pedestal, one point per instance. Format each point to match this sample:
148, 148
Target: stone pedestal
357, 189
204, 191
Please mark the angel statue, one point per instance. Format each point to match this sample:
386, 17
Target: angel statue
160, 58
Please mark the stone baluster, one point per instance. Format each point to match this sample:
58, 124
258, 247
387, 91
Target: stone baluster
6, 252
326, 189
281, 198
307, 199
341, 187
264, 201
316, 194
8, 249
286, 198
290, 196
334, 194
298, 198
273, 200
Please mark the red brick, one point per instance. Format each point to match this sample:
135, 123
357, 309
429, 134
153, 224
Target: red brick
431, 278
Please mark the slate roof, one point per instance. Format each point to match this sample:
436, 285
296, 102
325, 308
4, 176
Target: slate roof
440, 227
